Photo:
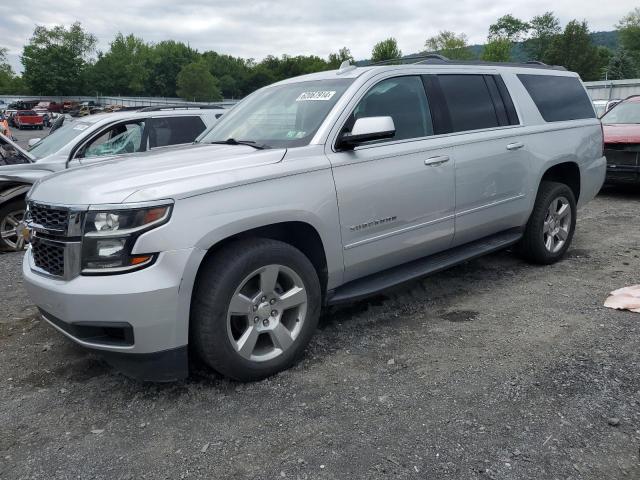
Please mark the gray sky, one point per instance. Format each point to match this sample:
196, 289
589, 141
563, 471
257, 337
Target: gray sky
258, 28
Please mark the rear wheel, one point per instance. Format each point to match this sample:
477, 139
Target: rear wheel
550, 229
11, 217
255, 307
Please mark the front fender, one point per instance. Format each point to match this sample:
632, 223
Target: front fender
12, 192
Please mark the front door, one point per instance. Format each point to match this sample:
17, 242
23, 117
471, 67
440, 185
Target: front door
396, 198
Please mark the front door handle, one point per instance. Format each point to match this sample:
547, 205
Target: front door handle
439, 160
515, 146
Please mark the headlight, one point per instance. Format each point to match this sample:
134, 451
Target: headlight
109, 237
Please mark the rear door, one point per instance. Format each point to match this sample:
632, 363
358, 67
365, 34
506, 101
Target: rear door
492, 159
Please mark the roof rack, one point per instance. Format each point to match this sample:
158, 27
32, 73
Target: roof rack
158, 108
434, 58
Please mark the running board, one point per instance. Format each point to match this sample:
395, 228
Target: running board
377, 282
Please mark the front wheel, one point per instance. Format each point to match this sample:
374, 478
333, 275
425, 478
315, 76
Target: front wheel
255, 307
11, 216
550, 229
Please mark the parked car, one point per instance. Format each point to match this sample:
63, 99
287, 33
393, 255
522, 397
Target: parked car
88, 141
621, 127
314, 191
27, 119
41, 108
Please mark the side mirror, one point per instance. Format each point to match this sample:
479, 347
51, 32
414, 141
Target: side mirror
33, 141
368, 129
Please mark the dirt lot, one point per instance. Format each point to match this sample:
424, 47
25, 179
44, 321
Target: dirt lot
492, 370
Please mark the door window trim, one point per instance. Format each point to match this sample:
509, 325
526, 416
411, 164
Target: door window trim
82, 145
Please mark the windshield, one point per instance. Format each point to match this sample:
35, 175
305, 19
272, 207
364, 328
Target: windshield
624, 112
58, 139
280, 116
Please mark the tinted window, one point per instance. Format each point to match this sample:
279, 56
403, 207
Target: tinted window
174, 130
404, 100
469, 102
558, 98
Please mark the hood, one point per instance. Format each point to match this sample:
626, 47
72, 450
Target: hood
7, 141
621, 133
23, 173
167, 173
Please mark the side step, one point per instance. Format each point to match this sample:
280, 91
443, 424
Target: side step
377, 282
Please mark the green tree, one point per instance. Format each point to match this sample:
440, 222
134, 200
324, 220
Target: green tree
629, 34
55, 59
336, 59
497, 50
6, 72
621, 66
449, 44
196, 83
574, 50
386, 50
508, 27
543, 29
124, 68
166, 59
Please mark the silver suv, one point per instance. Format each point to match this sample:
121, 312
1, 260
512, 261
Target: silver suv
86, 141
317, 190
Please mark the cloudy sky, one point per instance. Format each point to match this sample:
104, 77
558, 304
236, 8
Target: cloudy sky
254, 29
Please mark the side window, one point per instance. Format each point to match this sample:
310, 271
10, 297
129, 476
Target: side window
116, 140
165, 131
558, 97
469, 102
401, 98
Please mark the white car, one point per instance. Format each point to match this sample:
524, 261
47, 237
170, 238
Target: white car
87, 141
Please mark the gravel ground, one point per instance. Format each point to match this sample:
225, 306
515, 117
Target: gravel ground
492, 370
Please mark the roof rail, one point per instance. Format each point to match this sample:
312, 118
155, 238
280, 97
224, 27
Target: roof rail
158, 108
434, 58
402, 60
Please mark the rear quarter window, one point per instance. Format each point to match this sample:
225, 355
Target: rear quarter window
558, 98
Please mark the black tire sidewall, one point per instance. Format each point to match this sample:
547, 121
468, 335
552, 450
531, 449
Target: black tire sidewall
222, 274
534, 236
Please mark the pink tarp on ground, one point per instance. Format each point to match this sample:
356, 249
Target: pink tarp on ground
627, 298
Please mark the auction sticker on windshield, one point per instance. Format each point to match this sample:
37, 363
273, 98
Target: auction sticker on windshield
315, 96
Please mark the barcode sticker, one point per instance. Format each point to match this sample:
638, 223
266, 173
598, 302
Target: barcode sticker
316, 96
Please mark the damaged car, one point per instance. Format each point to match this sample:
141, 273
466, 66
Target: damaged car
621, 126
85, 142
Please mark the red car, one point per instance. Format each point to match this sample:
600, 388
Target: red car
27, 119
621, 127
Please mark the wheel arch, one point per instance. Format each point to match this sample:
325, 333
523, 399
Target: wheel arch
299, 234
567, 172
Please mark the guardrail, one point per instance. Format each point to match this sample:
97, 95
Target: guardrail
116, 100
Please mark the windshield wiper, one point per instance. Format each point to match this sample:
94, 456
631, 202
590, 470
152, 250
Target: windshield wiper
250, 143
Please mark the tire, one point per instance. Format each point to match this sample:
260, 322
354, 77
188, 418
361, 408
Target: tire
271, 342
10, 214
551, 226
40, 127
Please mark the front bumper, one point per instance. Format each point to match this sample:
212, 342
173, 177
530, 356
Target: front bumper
135, 320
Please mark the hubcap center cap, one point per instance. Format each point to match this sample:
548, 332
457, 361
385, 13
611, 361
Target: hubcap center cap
264, 310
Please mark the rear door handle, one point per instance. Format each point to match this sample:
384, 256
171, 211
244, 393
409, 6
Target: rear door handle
439, 160
515, 146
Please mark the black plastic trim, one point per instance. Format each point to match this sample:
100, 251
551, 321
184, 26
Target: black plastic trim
100, 333
165, 366
378, 282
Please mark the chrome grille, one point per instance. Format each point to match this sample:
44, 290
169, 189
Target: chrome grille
48, 256
50, 218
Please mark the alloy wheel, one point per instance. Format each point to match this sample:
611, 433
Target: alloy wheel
266, 313
10, 229
557, 224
